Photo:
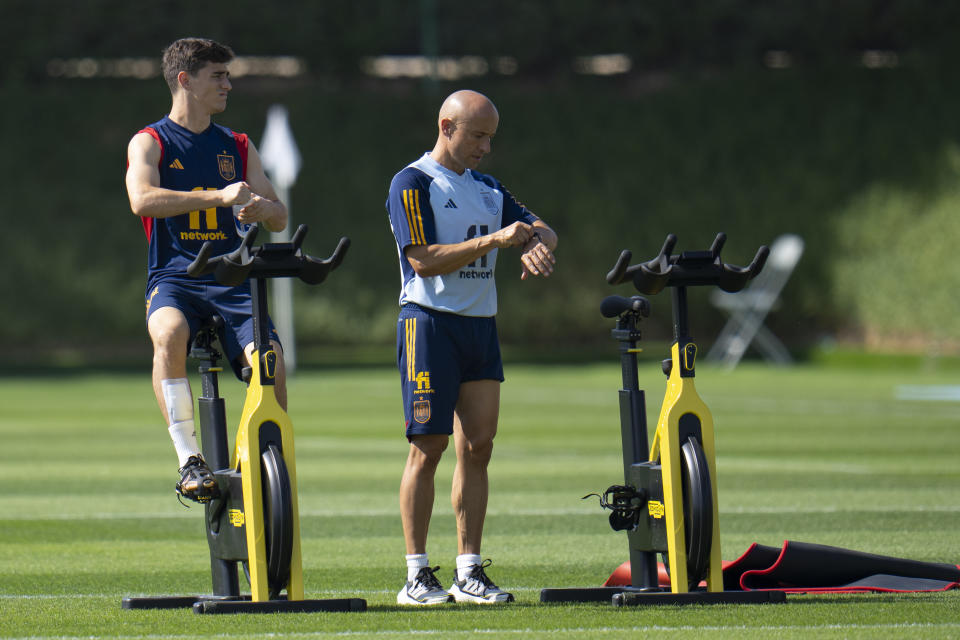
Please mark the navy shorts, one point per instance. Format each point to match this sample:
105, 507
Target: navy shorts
436, 352
201, 299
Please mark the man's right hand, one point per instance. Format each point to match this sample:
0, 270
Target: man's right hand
236, 193
516, 235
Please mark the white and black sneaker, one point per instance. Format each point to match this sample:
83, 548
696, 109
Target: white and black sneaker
478, 588
424, 590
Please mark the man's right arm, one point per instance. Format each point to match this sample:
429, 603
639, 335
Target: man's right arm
149, 199
412, 219
439, 259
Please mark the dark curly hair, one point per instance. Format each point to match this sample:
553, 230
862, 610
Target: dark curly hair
190, 55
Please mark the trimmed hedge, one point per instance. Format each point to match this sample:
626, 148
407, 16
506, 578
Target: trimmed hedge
862, 163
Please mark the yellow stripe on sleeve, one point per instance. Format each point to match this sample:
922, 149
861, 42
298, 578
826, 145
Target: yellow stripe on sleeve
411, 204
423, 236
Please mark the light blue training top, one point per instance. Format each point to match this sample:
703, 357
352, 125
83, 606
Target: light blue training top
430, 204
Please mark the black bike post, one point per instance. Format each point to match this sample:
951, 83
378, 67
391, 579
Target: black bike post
212, 415
681, 321
633, 433
261, 330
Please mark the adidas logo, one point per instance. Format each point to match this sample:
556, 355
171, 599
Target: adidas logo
450, 204
176, 164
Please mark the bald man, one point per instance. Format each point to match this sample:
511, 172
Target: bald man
450, 222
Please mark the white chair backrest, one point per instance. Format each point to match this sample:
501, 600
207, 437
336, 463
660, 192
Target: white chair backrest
762, 292
785, 253
748, 308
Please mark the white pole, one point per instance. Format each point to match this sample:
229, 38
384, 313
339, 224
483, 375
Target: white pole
281, 159
282, 297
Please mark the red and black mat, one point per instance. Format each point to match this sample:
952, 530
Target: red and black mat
801, 567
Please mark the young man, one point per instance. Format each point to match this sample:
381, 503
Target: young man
449, 222
185, 175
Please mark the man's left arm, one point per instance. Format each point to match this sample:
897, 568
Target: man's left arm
265, 205
537, 257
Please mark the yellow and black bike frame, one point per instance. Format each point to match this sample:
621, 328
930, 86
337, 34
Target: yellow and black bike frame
657, 475
668, 501
237, 527
259, 484
264, 420
236, 520
255, 519
684, 415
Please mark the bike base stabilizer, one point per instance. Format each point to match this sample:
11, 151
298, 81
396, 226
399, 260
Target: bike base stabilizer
243, 604
634, 597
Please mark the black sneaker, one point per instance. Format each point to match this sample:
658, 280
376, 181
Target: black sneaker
424, 590
479, 588
196, 481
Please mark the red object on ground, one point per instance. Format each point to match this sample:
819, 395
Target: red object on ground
800, 567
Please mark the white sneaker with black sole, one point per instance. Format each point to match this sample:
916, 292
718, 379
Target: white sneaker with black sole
478, 588
425, 590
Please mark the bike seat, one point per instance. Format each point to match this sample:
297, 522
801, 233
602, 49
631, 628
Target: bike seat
212, 323
202, 344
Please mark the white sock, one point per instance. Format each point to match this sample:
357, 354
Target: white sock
466, 562
179, 405
184, 438
415, 562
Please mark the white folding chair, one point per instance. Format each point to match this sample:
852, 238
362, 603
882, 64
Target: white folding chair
748, 308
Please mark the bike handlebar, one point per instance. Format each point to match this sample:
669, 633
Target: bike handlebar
270, 260
689, 268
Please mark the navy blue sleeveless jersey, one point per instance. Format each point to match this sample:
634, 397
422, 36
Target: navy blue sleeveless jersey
189, 161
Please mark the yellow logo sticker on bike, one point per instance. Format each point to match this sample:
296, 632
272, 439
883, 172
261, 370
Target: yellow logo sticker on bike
656, 509
236, 517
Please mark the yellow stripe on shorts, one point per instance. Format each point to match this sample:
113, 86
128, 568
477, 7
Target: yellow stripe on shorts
410, 325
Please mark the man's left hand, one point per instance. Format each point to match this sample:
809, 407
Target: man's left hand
259, 209
537, 259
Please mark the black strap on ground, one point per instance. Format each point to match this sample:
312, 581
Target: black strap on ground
801, 566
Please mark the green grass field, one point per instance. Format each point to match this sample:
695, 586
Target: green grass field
828, 455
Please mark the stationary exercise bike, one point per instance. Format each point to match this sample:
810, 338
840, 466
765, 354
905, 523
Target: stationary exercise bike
255, 520
668, 502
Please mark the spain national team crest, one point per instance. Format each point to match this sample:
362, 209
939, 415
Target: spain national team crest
489, 202
227, 168
421, 411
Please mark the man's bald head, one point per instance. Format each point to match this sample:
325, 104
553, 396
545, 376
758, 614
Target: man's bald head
467, 105
467, 123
